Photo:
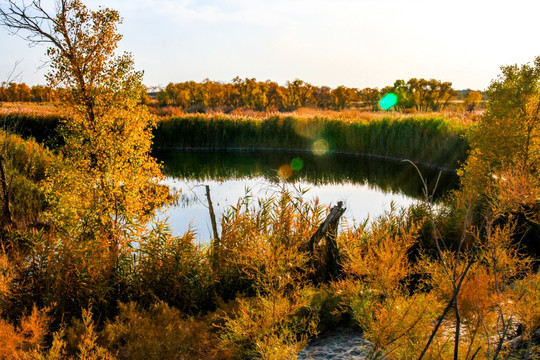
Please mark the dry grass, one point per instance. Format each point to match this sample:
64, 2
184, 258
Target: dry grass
354, 114
361, 115
29, 108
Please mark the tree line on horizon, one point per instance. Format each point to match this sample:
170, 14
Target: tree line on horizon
15, 92
413, 95
191, 96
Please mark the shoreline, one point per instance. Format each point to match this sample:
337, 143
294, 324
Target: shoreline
298, 150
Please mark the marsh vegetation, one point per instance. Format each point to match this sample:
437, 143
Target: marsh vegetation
86, 272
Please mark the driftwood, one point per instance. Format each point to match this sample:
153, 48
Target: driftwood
330, 259
521, 341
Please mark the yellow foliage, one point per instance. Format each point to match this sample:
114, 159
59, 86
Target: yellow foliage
503, 162
401, 326
515, 189
86, 343
525, 303
26, 340
267, 326
6, 276
379, 255
263, 246
161, 332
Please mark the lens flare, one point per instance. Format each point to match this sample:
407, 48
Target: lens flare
320, 147
285, 171
388, 101
297, 164
307, 128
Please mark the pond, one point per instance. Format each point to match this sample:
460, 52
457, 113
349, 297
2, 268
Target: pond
367, 186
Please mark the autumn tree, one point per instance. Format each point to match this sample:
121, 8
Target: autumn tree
298, 93
42, 93
213, 93
472, 100
322, 97
370, 97
12, 91
403, 93
439, 95
104, 193
422, 94
344, 97
505, 145
275, 95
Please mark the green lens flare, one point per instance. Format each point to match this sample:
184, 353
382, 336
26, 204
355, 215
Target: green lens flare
388, 101
297, 164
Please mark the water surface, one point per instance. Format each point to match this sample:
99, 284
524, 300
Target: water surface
367, 186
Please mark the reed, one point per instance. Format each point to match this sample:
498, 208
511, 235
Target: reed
40, 126
433, 140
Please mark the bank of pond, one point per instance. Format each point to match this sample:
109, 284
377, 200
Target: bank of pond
367, 186
267, 284
430, 140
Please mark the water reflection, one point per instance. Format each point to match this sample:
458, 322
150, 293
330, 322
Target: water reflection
379, 174
368, 187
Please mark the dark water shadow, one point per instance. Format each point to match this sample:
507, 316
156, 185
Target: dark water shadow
386, 175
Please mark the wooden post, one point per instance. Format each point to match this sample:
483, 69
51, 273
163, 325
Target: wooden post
215, 241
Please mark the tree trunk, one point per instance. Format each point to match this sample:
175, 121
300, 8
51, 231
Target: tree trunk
7, 218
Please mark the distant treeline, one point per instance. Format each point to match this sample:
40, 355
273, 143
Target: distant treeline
13, 92
413, 95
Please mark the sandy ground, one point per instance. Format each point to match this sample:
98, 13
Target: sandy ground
341, 343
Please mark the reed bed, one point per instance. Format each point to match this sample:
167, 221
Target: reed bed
40, 126
428, 139
435, 139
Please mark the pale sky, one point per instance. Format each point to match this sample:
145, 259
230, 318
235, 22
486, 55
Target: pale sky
356, 43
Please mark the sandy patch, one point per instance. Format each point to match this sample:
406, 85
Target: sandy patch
341, 343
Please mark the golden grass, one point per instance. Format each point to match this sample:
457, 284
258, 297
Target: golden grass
349, 115
29, 108
354, 114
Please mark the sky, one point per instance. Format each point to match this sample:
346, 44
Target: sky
356, 43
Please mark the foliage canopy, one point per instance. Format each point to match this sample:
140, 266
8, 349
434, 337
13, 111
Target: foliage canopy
505, 144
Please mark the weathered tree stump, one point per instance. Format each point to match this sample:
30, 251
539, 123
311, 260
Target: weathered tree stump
329, 264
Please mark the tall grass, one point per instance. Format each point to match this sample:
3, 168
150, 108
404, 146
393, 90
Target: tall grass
40, 126
432, 140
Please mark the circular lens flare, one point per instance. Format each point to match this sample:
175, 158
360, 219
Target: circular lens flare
285, 171
320, 147
297, 164
308, 128
388, 101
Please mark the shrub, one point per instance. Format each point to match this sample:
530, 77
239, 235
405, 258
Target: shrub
174, 270
25, 340
161, 332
